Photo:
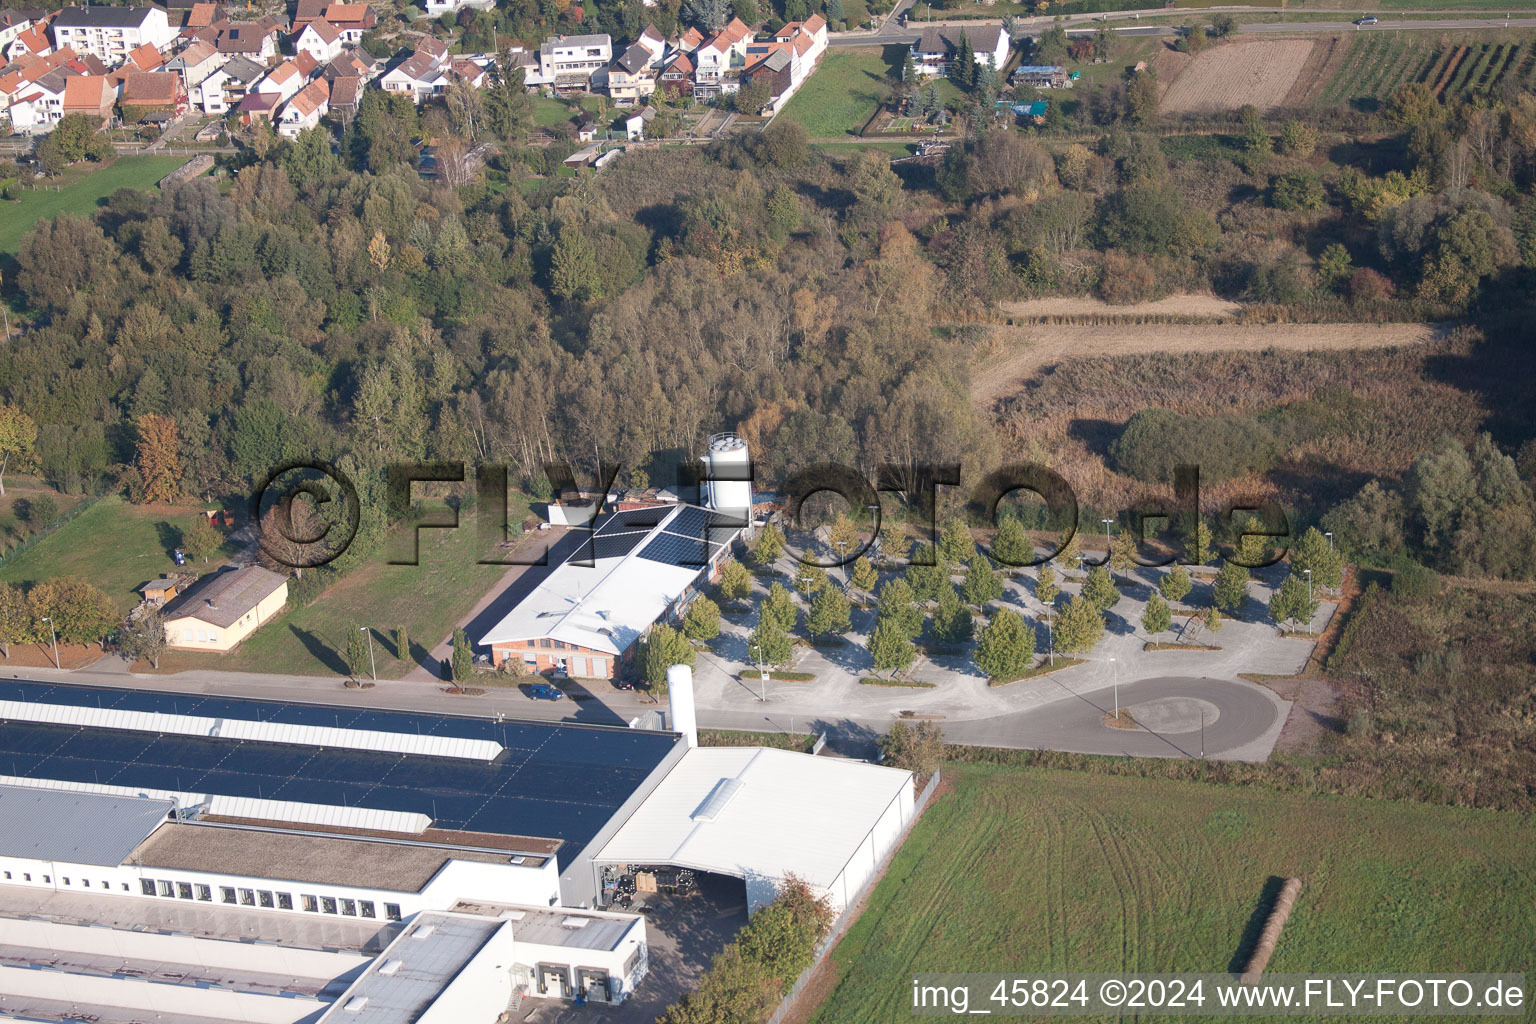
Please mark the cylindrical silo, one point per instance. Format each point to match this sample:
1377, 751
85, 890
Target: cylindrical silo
728, 475
680, 698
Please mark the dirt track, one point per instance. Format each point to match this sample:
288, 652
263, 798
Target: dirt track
1173, 305
1024, 351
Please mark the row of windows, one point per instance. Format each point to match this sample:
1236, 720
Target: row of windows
265, 898
85, 883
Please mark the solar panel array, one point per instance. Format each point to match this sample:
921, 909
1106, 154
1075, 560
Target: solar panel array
555, 781
690, 539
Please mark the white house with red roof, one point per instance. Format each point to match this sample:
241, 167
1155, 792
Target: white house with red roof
321, 40
305, 109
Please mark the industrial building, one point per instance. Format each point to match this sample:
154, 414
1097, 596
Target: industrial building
200, 858
632, 568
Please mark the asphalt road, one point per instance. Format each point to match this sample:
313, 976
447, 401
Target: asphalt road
892, 32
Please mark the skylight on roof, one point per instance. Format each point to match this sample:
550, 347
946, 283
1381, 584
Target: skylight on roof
725, 790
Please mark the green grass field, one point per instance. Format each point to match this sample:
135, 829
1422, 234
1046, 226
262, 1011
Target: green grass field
113, 544
427, 599
844, 91
1023, 870
81, 195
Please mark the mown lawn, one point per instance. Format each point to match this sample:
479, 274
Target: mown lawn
80, 195
427, 599
1021, 870
113, 544
844, 91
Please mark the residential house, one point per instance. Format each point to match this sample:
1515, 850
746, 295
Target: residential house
676, 78
255, 39
350, 64
223, 90
471, 74
31, 41
352, 21
632, 78
1041, 76
935, 50
41, 105
142, 58
346, 94
306, 12
569, 62
305, 109
717, 61
654, 44
14, 23
90, 94
20, 80
321, 40
222, 610
634, 124
440, 7
787, 60
586, 127
195, 63
258, 106
152, 96
689, 41
423, 74
774, 70
206, 15
158, 592
282, 81
111, 33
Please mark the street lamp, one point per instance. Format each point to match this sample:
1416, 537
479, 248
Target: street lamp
373, 669
842, 546
762, 673
1329, 535
1108, 526
1050, 637
1115, 680
54, 637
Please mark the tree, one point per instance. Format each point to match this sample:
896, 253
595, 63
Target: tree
780, 607
810, 580
18, 436
952, 622
1100, 589
864, 576
144, 638
785, 144
1079, 627
702, 621
1314, 552
15, 617
963, 70
1157, 617
1231, 587
927, 580
908, 68
955, 542
1012, 545
1291, 603
357, 655
662, 648
1122, 553
1192, 39
1412, 104
1212, 619
769, 643
1223, 24
735, 582
1046, 587
382, 134
768, 546
402, 644
830, 613
1297, 190
891, 646
463, 660
895, 545
915, 748
1175, 584
843, 535
895, 604
1071, 553
201, 540
1297, 139
80, 612
1141, 98
982, 585
1005, 647
1198, 545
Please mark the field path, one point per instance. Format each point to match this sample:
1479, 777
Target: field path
1029, 349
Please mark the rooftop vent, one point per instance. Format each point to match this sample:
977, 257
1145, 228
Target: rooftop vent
574, 922
356, 1004
423, 931
391, 967
513, 915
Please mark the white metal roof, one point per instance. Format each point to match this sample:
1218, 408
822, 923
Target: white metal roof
414, 969
789, 812
605, 605
77, 828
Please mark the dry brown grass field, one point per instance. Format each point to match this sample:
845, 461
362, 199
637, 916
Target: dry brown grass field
1225, 77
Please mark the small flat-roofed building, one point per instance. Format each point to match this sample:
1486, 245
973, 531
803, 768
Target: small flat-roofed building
222, 610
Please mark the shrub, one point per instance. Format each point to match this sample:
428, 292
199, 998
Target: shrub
1297, 190
1416, 581
1155, 440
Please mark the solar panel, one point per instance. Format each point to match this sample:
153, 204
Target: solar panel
633, 519
683, 552
615, 545
557, 780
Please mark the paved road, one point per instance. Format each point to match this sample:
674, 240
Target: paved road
893, 32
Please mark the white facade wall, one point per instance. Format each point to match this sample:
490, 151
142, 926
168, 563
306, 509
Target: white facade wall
468, 880
111, 45
483, 988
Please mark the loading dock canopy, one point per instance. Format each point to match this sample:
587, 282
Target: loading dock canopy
760, 814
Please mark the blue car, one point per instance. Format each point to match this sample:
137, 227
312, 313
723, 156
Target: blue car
544, 691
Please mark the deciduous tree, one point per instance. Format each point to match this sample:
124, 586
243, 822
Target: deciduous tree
1005, 646
143, 639
1079, 627
890, 645
1046, 586
1157, 616
80, 612
769, 643
982, 585
829, 614
15, 617
702, 621
780, 607
18, 436
735, 582
1100, 589
662, 648
1231, 587
201, 540
915, 748
768, 546
1175, 584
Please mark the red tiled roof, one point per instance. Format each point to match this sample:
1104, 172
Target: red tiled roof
327, 32
146, 57
204, 14
88, 92
145, 88
344, 91
311, 97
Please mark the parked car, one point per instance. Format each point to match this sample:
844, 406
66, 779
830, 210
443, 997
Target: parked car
623, 684
544, 691
1369, 19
